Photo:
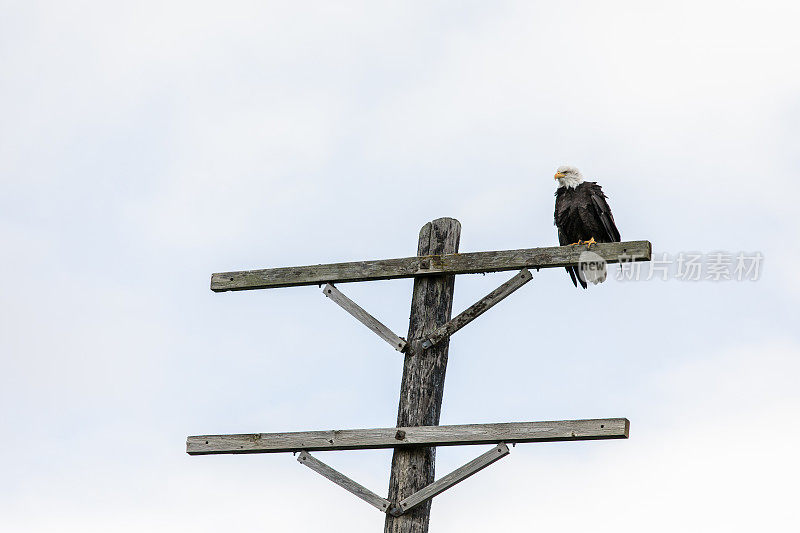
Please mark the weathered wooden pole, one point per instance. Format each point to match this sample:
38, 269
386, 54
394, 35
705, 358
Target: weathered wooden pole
423, 377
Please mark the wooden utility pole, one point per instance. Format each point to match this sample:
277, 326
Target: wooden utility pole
423, 377
418, 433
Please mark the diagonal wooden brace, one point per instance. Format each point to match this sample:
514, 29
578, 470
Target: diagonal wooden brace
382, 504
398, 343
478, 308
456, 476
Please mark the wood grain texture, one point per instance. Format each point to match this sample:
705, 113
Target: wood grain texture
431, 263
478, 308
410, 436
365, 318
422, 385
382, 504
456, 476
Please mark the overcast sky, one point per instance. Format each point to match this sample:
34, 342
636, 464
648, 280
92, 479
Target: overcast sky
145, 145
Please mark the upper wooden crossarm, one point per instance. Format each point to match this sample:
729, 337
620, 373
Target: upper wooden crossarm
408, 267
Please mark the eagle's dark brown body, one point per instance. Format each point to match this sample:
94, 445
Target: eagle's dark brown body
582, 213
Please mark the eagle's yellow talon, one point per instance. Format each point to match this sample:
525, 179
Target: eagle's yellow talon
590, 242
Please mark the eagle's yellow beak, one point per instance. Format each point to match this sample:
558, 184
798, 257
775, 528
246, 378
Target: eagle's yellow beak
558, 175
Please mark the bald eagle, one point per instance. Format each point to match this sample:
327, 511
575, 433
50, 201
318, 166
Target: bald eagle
582, 216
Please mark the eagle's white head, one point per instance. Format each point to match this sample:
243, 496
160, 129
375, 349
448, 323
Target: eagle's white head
568, 176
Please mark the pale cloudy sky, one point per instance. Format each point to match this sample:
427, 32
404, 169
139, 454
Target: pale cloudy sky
145, 145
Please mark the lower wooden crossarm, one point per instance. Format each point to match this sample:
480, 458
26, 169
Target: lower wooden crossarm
355, 439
